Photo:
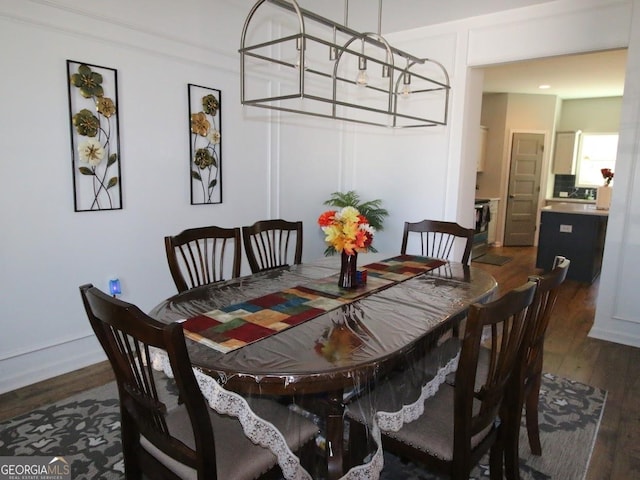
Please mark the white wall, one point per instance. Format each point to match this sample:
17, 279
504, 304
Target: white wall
285, 168
617, 312
494, 117
597, 115
160, 46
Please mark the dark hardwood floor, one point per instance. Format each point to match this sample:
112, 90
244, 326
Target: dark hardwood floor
569, 352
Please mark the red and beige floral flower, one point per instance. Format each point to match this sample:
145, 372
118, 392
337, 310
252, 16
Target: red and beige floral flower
346, 230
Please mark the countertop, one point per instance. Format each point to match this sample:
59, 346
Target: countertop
575, 208
569, 200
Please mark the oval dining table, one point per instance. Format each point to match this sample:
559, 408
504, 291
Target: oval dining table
341, 346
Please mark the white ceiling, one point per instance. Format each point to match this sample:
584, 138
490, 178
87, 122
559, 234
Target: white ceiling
589, 75
578, 76
399, 15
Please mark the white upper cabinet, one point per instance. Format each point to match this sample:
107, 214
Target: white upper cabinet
565, 152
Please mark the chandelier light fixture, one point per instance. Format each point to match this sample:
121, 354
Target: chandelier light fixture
296, 61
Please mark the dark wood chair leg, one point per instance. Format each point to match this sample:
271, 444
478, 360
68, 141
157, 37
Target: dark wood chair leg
533, 429
461, 471
130, 444
512, 442
495, 461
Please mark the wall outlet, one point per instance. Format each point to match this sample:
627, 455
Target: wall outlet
566, 228
564, 194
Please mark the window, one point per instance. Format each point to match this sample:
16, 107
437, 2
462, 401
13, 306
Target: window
597, 151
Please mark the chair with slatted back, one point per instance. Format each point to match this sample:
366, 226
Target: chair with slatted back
272, 243
437, 238
198, 256
531, 368
461, 422
188, 440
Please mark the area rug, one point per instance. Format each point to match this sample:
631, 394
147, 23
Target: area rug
492, 259
85, 429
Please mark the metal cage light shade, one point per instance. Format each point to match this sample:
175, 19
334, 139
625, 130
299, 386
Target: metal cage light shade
311, 66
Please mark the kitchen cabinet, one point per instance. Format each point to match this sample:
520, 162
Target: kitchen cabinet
482, 149
576, 232
565, 152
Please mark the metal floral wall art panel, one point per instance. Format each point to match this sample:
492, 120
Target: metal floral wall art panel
205, 135
95, 148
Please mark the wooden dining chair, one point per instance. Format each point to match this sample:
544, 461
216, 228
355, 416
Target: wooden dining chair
437, 238
198, 256
530, 375
189, 440
462, 422
272, 243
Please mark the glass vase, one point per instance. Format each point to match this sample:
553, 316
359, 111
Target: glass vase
348, 271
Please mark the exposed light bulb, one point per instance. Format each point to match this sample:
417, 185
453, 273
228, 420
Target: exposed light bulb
362, 79
406, 85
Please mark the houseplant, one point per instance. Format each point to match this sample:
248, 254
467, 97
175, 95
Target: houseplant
371, 209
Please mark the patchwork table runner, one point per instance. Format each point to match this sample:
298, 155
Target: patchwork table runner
229, 328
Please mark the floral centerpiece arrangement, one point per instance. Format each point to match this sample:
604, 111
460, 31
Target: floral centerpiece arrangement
607, 174
348, 232
371, 209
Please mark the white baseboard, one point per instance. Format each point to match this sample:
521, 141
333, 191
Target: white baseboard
615, 337
25, 369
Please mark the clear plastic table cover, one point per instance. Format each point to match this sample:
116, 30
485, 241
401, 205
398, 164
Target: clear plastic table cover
320, 364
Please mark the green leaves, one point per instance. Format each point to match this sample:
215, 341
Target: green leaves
372, 209
113, 181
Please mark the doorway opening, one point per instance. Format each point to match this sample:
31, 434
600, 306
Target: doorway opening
582, 77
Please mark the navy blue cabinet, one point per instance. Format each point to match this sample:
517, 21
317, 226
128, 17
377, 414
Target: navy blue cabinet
577, 236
